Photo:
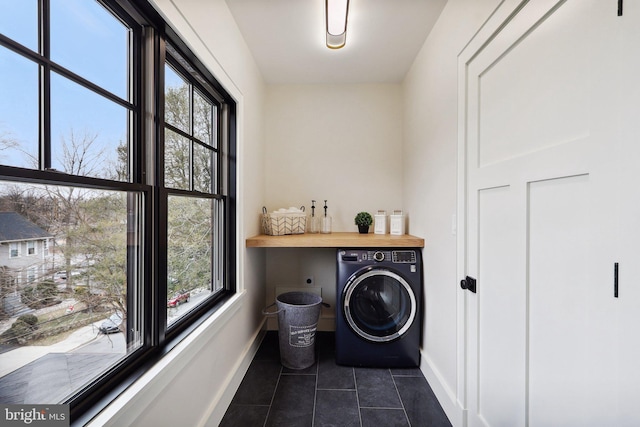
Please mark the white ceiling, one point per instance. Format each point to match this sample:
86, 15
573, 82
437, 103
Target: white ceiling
287, 39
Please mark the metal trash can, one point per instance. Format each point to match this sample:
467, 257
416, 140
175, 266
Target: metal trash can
298, 315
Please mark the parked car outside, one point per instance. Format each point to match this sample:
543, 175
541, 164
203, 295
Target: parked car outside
60, 276
178, 298
112, 324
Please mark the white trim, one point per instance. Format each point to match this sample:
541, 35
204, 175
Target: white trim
35, 250
446, 395
505, 10
18, 247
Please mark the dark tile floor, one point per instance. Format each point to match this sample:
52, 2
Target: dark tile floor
327, 394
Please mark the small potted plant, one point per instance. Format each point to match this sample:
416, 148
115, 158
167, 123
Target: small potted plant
363, 220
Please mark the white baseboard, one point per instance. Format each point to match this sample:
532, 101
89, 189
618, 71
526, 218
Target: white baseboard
444, 393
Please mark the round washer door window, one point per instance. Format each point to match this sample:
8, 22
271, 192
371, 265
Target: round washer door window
379, 305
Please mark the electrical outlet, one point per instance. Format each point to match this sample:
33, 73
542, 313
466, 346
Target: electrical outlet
308, 280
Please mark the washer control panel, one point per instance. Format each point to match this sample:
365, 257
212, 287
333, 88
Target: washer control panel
404, 257
395, 256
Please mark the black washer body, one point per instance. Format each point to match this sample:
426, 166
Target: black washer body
378, 307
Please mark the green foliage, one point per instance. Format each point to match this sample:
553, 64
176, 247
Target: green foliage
17, 334
29, 319
23, 333
364, 219
42, 294
189, 243
21, 330
102, 239
179, 165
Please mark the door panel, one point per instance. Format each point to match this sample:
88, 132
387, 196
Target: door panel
571, 317
554, 80
542, 155
501, 310
628, 303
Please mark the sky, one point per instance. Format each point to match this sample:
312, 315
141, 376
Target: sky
86, 39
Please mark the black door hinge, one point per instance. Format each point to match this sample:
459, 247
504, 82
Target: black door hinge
620, 7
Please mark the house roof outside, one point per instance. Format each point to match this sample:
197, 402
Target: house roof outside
14, 227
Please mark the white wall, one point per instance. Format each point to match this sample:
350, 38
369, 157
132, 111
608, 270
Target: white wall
430, 169
200, 375
342, 143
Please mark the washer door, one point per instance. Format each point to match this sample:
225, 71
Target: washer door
379, 305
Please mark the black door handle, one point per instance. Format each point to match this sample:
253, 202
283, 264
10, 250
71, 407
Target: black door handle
469, 283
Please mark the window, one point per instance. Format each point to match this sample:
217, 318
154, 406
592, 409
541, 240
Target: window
14, 250
132, 200
194, 196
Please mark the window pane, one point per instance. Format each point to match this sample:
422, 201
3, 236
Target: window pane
86, 131
202, 119
79, 325
88, 40
18, 111
202, 168
176, 101
189, 259
176, 161
19, 21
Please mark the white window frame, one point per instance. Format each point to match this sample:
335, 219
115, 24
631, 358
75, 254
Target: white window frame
14, 247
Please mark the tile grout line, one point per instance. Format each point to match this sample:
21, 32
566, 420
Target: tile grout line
315, 391
273, 396
393, 378
355, 386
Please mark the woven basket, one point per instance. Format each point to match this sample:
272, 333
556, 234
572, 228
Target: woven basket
280, 224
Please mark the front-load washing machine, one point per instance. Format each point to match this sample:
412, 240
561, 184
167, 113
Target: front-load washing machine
378, 307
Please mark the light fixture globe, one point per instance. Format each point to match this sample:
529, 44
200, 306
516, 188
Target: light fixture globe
336, 12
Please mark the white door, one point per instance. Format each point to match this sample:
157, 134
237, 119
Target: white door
628, 366
544, 145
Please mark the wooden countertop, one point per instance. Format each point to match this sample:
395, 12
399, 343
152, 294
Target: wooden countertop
336, 240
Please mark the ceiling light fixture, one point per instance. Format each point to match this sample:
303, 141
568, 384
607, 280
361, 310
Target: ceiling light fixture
336, 12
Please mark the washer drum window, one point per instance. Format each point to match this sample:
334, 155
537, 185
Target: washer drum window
379, 305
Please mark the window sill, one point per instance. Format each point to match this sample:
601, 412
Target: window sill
142, 391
